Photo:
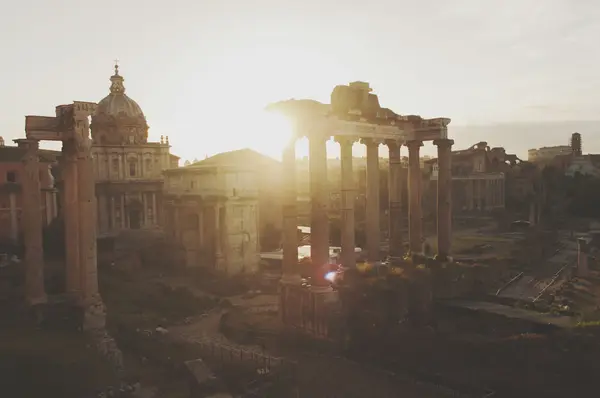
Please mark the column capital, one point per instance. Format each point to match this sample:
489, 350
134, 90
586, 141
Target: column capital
443, 143
414, 144
371, 141
314, 136
27, 143
394, 143
344, 139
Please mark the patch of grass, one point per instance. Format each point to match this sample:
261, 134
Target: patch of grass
588, 324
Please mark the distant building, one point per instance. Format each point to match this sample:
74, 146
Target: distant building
478, 178
548, 153
576, 144
11, 174
127, 167
212, 209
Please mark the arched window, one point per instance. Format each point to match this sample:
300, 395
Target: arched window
132, 168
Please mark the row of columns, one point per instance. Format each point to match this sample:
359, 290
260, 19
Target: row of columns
110, 205
147, 165
80, 222
320, 202
485, 193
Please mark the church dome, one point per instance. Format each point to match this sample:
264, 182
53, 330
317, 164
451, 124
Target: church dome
118, 119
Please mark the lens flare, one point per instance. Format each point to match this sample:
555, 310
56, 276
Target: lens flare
330, 276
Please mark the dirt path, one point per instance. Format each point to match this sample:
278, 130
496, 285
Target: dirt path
318, 375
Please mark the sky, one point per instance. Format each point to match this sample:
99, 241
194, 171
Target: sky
202, 71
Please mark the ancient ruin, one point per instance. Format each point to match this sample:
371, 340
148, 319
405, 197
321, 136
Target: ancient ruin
212, 213
71, 126
356, 116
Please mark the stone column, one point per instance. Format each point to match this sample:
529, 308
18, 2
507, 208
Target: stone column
488, 194
102, 214
71, 217
87, 223
123, 212
14, 220
373, 204
415, 228
348, 256
145, 213
395, 200
54, 204
48, 200
290, 272
113, 218
121, 159
218, 238
154, 214
35, 292
444, 198
469, 189
140, 165
319, 193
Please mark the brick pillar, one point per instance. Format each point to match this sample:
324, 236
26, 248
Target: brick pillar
373, 204
319, 192
444, 197
35, 292
348, 196
395, 200
290, 215
414, 197
71, 217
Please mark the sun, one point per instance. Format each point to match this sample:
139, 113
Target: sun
271, 132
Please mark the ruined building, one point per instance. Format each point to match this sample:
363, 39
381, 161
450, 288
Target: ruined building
212, 212
12, 172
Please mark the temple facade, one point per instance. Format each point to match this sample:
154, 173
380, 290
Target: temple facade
127, 167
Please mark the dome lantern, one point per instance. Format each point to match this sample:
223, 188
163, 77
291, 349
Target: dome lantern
118, 119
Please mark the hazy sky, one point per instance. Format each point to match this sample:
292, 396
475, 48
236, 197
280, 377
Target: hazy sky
202, 69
